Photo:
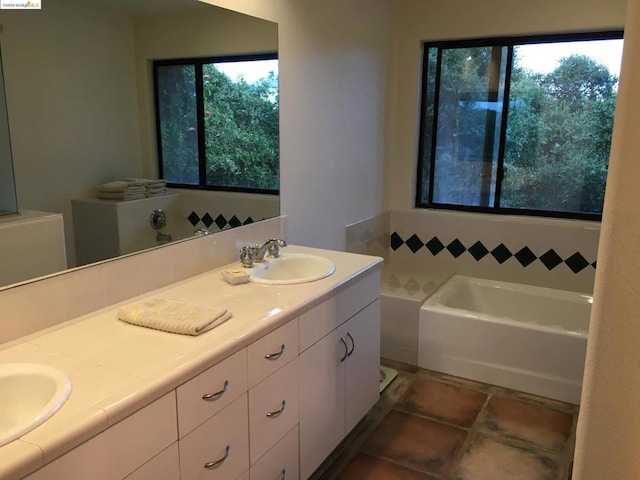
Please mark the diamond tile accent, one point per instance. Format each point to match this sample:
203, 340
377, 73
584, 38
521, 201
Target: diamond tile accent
234, 222
501, 253
576, 262
478, 251
193, 218
456, 248
221, 222
525, 256
248, 221
207, 220
550, 259
414, 243
435, 246
396, 241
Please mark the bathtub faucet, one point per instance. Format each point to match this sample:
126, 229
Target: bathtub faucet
272, 246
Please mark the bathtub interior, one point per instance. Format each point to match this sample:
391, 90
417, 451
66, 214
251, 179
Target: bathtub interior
545, 307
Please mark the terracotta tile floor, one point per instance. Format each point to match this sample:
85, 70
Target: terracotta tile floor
429, 426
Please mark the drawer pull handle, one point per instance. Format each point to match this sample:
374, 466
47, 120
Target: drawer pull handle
275, 356
346, 350
277, 413
210, 397
217, 463
353, 344
284, 475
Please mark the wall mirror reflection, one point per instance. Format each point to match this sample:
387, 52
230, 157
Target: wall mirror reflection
81, 104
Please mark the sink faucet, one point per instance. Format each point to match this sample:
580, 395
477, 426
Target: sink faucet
272, 246
250, 254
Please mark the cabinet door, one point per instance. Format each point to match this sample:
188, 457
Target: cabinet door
362, 386
322, 401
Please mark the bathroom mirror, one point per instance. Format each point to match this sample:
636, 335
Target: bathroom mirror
8, 203
79, 88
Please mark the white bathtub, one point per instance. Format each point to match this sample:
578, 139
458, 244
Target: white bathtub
528, 338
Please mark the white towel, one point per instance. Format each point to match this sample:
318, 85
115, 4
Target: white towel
147, 182
121, 186
173, 316
121, 195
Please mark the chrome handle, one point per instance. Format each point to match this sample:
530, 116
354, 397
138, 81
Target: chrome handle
210, 397
353, 344
217, 463
346, 350
283, 476
277, 413
275, 356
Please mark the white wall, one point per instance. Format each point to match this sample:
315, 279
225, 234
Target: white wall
70, 86
333, 74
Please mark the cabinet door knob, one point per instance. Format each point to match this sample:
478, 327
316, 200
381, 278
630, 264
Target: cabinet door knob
217, 463
275, 356
210, 397
346, 350
353, 344
277, 413
283, 476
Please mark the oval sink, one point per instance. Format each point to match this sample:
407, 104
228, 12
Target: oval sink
292, 268
30, 394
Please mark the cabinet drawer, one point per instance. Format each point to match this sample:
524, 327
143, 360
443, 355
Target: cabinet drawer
119, 450
164, 466
272, 352
278, 393
280, 462
323, 318
221, 385
221, 443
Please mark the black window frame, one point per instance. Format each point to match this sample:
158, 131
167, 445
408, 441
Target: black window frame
510, 42
198, 63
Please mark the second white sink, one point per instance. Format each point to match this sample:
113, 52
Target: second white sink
291, 268
29, 395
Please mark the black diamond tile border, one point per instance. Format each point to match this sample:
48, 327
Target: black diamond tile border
501, 253
207, 220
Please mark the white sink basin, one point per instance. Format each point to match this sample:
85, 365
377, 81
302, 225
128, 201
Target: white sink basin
29, 395
292, 268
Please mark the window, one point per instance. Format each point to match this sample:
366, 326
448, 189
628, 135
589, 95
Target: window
518, 125
217, 122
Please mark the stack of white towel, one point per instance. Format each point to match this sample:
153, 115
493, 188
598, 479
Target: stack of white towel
173, 316
130, 188
153, 188
121, 190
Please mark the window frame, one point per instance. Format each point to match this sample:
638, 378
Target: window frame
198, 63
510, 42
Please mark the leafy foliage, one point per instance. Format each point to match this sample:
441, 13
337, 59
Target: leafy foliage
241, 133
558, 132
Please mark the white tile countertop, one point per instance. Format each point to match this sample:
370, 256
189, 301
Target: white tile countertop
117, 368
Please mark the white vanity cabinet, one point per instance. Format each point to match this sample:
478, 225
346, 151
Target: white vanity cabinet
273, 410
339, 372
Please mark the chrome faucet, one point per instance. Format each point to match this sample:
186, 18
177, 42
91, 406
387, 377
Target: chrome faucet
272, 246
250, 254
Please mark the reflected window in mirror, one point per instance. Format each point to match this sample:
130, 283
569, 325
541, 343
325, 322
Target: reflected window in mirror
217, 122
